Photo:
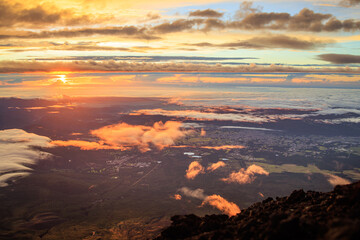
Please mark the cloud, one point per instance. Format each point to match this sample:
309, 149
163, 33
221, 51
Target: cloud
203, 116
177, 197
203, 132
19, 14
197, 193
216, 165
268, 42
222, 204
175, 26
248, 18
245, 176
305, 20
86, 145
194, 169
206, 13
222, 147
123, 31
336, 180
283, 41
140, 58
123, 136
309, 169
246, 8
214, 200
17, 153
84, 47
340, 58
349, 3
129, 66
152, 16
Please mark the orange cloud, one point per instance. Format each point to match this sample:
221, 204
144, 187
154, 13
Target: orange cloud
203, 132
123, 136
214, 200
245, 176
76, 134
336, 180
177, 197
223, 147
222, 204
85, 145
194, 169
215, 166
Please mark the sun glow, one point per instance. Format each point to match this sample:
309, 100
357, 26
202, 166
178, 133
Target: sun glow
62, 78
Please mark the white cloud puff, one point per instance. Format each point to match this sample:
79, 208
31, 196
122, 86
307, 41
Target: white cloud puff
17, 153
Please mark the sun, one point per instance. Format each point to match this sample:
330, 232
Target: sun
62, 78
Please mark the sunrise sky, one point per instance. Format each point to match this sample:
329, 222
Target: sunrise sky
109, 43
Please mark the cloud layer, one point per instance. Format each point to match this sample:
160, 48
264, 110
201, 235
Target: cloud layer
17, 154
62, 29
126, 66
340, 58
206, 13
268, 41
16, 14
245, 176
214, 200
123, 136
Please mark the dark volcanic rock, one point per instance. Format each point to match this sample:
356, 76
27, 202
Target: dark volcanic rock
310, 215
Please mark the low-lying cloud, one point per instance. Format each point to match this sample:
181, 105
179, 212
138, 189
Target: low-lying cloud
216, 165
194, 169
86, 145
214, 200
197, 193
204, 116
245, 176
17, 153
309, 169
123, 136
222, 204
336, 180
222, 147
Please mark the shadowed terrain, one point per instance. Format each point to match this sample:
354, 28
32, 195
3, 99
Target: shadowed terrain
302, 215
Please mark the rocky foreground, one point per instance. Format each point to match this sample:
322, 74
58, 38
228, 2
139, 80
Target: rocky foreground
310, 215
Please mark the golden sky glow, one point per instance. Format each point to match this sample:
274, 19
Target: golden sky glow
63, 38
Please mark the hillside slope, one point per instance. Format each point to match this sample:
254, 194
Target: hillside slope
310, 215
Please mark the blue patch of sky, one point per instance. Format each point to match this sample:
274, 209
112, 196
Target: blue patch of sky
291, 7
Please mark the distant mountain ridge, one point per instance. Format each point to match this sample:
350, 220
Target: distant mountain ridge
311, 215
